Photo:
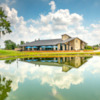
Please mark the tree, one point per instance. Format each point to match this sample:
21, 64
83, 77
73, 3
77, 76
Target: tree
22, 42
9, 61
10, 45
5, 87
17, 46
4, 24
88, 47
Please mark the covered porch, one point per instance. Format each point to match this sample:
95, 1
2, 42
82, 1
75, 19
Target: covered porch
40, 48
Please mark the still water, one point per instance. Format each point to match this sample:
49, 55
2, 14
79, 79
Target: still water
66, 78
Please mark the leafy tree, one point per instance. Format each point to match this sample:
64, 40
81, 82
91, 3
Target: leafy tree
9, 61
5, 87
88, 47
10, 45
17, 45
22, 42
97, 45
4, 24
95, 48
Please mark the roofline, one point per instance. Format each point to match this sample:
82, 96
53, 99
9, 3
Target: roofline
53, 44
81, 40
73, 39
65, 34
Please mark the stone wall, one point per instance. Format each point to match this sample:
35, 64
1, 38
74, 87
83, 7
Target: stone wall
65, 37
83, 45
77, 44
59, 46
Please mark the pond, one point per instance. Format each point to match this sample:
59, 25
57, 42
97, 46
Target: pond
61, 78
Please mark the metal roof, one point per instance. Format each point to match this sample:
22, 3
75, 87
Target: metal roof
48, 42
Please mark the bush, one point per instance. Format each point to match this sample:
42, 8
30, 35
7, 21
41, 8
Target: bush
95, 48
88, 47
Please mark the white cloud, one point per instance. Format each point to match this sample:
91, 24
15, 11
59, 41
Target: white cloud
10, 1
52, 25
53, 6
97, 26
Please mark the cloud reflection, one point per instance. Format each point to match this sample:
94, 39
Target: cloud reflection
51, 75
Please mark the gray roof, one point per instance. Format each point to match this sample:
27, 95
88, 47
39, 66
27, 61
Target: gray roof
48, 63
47, 42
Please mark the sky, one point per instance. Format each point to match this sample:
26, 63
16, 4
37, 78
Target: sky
48, 19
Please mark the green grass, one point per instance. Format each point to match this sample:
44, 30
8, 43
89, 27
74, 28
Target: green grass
16, 54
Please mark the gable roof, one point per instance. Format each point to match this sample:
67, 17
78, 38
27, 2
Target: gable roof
48, 42
43, 42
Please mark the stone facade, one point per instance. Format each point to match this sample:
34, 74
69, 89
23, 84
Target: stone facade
65, 37
65, 43
58, 46
77, 44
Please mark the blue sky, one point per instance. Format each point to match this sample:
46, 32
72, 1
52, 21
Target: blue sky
82, 19
90, 9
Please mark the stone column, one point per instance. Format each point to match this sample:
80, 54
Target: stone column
58, 46
69, 47
23, 48
59, 60
70, 58
54, 58
66, 46
32, 49
82, 46
40, 48
28, 49
54, 48
63, 59
63, 47
66, 59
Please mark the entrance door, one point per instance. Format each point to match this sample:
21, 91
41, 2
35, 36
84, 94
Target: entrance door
71, 48
60, 46
65, 46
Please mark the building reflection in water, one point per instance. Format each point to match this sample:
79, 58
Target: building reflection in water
66, 63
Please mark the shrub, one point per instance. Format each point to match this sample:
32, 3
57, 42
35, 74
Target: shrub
88, 47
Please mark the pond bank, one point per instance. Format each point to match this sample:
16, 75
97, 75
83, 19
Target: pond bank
17, 54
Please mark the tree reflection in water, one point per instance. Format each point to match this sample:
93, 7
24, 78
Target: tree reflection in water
5, 87
9, 61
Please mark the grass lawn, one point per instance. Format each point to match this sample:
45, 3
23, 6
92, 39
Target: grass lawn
16, 54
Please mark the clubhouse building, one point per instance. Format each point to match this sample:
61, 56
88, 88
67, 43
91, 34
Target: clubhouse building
65, 43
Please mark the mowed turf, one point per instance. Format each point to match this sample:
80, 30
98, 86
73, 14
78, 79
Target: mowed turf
12, 53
